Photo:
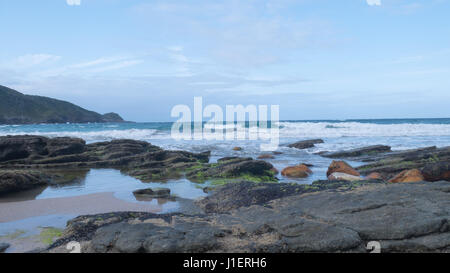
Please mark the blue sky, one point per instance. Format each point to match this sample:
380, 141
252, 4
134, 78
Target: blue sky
317, 59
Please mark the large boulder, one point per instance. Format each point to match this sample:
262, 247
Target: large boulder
437, 171
21, 147
413, 175
299, 171
341, 167
13, 180
305, 144
65, 146
35, 147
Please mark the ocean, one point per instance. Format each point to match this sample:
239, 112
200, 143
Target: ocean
400, 134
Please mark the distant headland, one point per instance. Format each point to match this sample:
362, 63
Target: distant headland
18, 108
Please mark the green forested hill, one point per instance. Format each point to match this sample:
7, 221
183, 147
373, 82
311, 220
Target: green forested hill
17, 108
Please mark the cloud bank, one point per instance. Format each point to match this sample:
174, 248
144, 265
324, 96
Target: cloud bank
73, 2
373, 2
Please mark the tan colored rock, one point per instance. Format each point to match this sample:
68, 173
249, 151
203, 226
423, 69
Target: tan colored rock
374, 176
344, 177
341, 167
266, 156
413, 175
237, 149
299, 171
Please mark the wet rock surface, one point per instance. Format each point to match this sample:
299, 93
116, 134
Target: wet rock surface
335, 217
305, 144
299, 171
406, 176
18, 180
139, 159
365, 151
3, 247
234, 167
431, 161
153, 193
341, 167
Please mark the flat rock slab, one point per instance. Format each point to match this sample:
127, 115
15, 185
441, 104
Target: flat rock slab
411, 217
364, 151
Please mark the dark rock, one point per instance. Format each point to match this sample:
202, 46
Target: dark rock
235, 195
21, 147
305, 144
233, 168
153, 192
390, 164
137, 158
402, 217
369, 150
14, 180
4, 247
244, 194
437, 171
65, 146
233, 159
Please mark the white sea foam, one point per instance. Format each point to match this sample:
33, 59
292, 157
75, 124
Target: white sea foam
296, 130
356, 129
137, 134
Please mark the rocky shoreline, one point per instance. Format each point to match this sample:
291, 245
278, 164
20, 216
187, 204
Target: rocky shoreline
341, 217
246, 209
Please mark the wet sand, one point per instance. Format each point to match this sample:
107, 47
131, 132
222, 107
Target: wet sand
78, 205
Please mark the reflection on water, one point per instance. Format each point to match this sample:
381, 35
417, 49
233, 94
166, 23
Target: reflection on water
77, 183
109, 180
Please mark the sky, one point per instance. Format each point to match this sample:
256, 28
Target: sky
317, 59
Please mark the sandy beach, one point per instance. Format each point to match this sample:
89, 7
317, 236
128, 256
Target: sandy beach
79, 205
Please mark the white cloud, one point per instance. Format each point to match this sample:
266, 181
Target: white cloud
175, 48
373, 2
118, 65
237, 33
98, 61
30, 60
73, 2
